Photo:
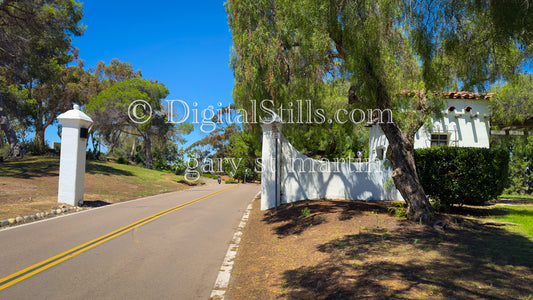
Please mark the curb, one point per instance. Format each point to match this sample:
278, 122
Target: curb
44, 215
224, 274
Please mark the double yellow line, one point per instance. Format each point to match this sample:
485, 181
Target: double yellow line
39, 267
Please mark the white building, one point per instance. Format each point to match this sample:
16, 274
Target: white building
465, 123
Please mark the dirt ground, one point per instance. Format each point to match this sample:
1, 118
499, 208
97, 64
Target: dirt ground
325, 249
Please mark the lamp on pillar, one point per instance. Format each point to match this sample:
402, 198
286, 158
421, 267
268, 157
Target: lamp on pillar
75, 132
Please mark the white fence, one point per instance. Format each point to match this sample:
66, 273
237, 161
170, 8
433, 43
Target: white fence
289, 176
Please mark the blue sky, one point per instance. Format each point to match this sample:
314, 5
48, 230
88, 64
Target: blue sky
183, 44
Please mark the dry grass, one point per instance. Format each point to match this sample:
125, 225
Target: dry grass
29, 185
354, 250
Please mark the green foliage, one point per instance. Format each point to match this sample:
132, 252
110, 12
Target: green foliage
4, 151
511, 103
167, 156
515, 214
122, 160
116, 71
217, 140
35, 148
35, 63
210, 176
240, 172
520, 176
454, 175
372, 51
306, 211
520, 164
123, 93
389, 183
91, 154
38, 34
231, 181
180, 165
240, 159
525, 197
110, 112
399, 210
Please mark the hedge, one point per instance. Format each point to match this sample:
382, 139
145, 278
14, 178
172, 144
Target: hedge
210, 176
454, 175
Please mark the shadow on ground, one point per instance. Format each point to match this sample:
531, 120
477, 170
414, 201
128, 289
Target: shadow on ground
466, 261
43, 166
96, 168
293, 222
489, 211
30, 167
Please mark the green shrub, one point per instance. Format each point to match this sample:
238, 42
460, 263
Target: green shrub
231, 181
4, 151
180, 169
33, 148
399, 210
210, 176
122, 160
306, 212
453, 175
389, 183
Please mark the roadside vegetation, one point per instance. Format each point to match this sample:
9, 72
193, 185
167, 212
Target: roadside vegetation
30, 184
525, 197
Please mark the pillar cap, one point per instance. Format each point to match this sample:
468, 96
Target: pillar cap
75, 114
273, 118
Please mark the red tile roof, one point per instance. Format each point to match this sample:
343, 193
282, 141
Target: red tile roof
453, 95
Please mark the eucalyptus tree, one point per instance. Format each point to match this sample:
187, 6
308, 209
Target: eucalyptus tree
106, 76
68, 85
34, 40
286, 50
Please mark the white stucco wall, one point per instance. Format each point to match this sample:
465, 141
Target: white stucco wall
303, 178
465, 129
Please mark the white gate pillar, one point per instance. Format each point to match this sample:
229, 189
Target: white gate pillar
271, 160
74, 135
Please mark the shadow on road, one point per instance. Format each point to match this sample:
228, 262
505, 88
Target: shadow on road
94, 203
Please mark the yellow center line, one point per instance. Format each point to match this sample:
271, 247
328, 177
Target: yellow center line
48, 263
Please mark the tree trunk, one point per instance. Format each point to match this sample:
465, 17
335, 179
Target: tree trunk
111, 148
148, 147
405, 176
39, 138
15, 148
133, 148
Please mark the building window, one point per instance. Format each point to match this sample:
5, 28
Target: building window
439, 139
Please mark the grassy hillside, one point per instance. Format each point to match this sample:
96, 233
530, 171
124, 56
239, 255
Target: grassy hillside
30, 184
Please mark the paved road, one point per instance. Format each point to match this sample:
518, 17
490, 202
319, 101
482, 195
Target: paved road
175, 256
